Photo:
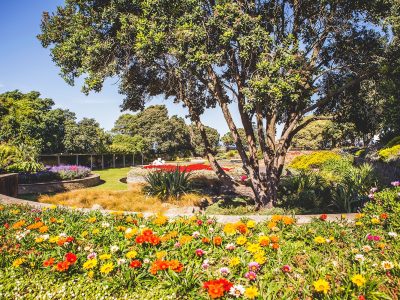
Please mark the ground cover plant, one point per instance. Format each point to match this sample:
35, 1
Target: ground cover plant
55, 253
55, 173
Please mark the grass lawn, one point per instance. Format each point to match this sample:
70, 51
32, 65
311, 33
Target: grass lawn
111, 179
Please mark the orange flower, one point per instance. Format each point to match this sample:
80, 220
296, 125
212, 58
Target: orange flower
217, 240
384, 216
241, 227
19, 224
216, 291
49, 262
53, 220
175, 266
274, 238
62, 266
271, 225
154, 240
205, 240
275, 246
147, 232
35, 225
43, 229
135, 264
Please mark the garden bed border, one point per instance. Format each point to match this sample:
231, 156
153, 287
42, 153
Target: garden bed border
58, 186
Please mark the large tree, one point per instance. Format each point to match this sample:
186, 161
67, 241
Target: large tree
276, 60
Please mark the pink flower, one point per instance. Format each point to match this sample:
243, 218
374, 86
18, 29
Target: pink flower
199, 222
251, 275
243, 177
205, 265
371, 196
286, 269
177, 245
395, 183
200, 252
254, 266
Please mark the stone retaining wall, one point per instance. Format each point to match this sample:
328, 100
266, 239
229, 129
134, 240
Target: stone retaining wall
9, 184
59, 186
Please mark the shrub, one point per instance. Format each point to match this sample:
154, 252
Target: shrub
393, 142
18, 159
313, 160
388, 154
165, 184
387, 201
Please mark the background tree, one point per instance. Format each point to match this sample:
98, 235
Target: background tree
276, 60
86, 136
197, 142
228, 140
126, 144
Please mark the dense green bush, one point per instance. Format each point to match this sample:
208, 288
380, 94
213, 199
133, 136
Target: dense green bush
393, 142
313, 160
18, 159
386, 201
165, 184
388, 154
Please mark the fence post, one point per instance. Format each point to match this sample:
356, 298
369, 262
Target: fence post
113, 160
142, 158
77, 159
91, 161
133, 159
102, 161
58, 159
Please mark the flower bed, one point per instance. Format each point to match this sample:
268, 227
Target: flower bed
55, 173
59, 254
186, 168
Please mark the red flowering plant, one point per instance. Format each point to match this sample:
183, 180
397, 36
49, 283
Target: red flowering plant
217, 288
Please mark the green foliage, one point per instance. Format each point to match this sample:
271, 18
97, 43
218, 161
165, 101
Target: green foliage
160, 133
20, 159
386, 201
388, 154
313, 160
166, 184
197, 142
126, 144
307, 190
393, 142
360, 152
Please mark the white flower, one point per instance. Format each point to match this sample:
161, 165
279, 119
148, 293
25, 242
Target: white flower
196, 234
366, 248
230, 246
237, 290
105, 224
63, 235
392, 234
387, 265
359, 257
128, 230
211, 229
45, 237
114, 248
87, 248
121, 261
92, 255
146, 260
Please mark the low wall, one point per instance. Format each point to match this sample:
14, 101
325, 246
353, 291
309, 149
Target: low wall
9, 184
59, 186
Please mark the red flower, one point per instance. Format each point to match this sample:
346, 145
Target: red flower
147, 232
384, 216
199, 222
6, 225
323, 217
69, 239
135, 264
140, 239
70, 257
154, 240
49, 262
362, 297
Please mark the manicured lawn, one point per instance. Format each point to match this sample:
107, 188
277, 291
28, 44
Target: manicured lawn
111, 179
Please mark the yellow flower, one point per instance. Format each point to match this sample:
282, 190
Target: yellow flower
84, 233
161, 254
107, 268
263, 240
92, 220
105, 256
358, 280
121, 228
90, 264
130, 232
90, 274
131, 254
15, 211
321, 285
185, 239
128, 219
60, 221
251, 224
241, 240
95, 231
253, 248
18, 262
375, 221
139, 215
160, 220
53, 239
359, 223
53, 206
319, 240
260, 258
39, 239
251, 292
234, 261
229, 229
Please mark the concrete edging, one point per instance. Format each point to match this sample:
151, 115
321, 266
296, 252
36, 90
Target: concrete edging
58, 186
300, 219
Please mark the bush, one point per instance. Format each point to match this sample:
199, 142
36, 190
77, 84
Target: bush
386, 202
18, 159
393, 142
388, 154
313, 160
165, 184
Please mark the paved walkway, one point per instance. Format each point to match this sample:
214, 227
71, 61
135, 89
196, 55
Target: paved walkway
301, 219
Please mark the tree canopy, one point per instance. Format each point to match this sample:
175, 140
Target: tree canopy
275, 61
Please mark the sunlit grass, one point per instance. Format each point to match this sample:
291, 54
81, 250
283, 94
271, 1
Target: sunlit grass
111, 178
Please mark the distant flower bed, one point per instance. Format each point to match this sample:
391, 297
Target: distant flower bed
186, 168
55, 173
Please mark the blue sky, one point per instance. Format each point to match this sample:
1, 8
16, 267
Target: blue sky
26, 66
